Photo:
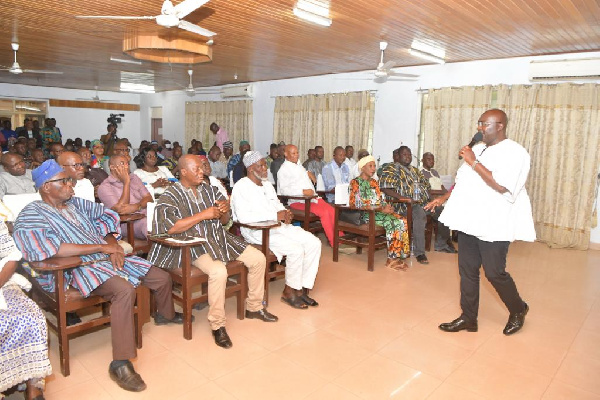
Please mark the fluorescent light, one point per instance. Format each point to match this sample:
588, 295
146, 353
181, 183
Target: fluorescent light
125, 61
317, 19
136, 87
28, 108
426, 56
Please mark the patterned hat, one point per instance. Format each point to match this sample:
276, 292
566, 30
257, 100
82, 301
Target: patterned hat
243, 142
252, 157
227, 145
364, 161
45, 172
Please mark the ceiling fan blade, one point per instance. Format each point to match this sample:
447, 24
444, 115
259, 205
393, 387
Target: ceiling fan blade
392, 73
389, 64
188, 26
110, 17
402, 79
42, 71
188, 6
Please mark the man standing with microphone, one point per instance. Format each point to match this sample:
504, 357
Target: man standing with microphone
490, 208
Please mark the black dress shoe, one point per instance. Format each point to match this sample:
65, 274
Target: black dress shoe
222, 338
73, 319
422, 259
448, 249
177, 319
263, 315
309, 300
515, 321
127, 378
459, 324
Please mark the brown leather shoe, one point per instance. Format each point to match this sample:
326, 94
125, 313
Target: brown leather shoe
263, 315
308, 300
127, 378
222, 338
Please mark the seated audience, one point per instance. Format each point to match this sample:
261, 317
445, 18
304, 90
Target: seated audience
73, 165
218, 168
150, 174
294, 181
55, 150
61, 225
206, 168
23, 332
435, 181
50, 133
273, 154
335, 173
77, 143
37, 158
235, 159
20, 148
401, 180
7, 134
349, 161
227, 152
167, 149
27, 131
98, 158
125, 193
121, 148
157, 151
143, 144
254, 200
316, 166
355, 171
171, 162
95, 175
395, 159
364, 191
312, 154
15, 179
278, 161
192, 208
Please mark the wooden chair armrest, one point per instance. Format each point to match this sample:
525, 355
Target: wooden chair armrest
402, 200
131, 217
56, 263
165, 242
301, 197
363, 208
258, 225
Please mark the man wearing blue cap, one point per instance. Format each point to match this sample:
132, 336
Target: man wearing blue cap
61, 225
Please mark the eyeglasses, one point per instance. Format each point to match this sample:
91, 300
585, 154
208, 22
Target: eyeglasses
76, 166
486, 124
64, 181
123, 150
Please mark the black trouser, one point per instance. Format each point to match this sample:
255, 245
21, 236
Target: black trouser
472, 253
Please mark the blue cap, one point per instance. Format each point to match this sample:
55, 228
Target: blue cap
45, 172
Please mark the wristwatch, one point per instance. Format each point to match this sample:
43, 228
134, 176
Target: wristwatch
474, 164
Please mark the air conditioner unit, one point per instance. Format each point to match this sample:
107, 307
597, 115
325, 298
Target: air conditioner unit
237, 91
565, 70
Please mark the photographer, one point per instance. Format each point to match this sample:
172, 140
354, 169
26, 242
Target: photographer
109, 139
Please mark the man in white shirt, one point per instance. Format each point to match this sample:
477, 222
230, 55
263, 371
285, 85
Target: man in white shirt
15, 179
350, 161
294, 181
218, 168
74, 167
335, 172
254, 200
490, 208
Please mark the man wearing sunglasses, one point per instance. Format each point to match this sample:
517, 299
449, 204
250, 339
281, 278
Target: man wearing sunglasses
61, 226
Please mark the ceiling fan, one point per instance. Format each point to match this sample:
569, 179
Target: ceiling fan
384, 71
16, 68
96, 98
190, 90
169, 17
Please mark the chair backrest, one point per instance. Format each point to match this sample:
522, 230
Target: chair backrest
17, 202
320, 183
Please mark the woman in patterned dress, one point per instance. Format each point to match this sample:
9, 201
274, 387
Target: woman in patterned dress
23, 332
364, 191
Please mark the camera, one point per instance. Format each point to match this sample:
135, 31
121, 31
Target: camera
115, 118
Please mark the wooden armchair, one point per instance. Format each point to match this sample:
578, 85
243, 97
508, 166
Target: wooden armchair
187, 277
310, 222
64, 300
140, 247
271, 270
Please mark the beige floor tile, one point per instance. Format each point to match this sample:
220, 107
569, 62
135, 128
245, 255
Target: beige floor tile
381, 378
323, 354
425, 353
274, 335
208, 391
498, 380
450, 392
90, 390
362, 329
580, 371
271, 377
330, 392
57, 382
587, 343
562, 391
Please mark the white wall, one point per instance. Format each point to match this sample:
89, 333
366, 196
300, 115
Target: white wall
86, 123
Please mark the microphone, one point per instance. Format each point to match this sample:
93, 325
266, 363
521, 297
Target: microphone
477, 138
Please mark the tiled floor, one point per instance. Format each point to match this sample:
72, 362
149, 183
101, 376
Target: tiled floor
375, 336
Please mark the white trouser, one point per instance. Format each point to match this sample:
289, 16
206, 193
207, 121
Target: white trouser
303, 251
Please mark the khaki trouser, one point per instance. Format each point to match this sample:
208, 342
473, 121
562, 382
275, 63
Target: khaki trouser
217, 281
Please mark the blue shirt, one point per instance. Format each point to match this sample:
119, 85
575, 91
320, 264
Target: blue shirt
330, 170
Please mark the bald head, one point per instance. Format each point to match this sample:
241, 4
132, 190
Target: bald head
187, 161
492, 124
291, 153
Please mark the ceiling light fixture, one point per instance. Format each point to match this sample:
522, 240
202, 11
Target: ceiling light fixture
125, 61
315, 11
426, 56
210, 42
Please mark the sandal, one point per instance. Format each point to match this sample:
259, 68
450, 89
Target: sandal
295, 302
397, 265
